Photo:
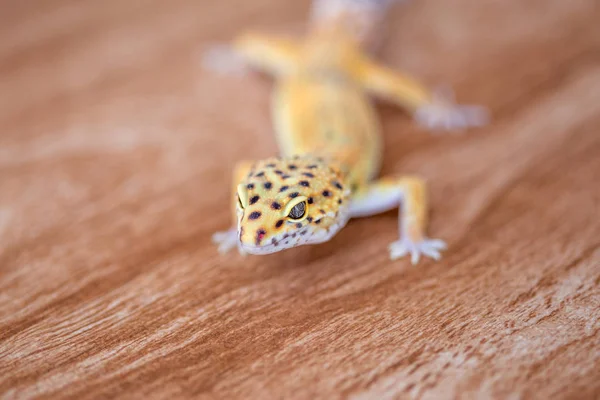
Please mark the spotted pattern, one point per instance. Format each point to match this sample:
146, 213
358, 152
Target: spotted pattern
272, 184
254, 215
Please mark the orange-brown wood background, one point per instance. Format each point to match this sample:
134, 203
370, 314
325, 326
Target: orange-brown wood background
115, 153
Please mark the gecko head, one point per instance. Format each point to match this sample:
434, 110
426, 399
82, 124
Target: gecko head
284, 203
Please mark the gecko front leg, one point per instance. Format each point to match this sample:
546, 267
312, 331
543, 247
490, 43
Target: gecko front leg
410, 193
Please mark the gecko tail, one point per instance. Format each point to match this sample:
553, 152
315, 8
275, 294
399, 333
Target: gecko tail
325, 9
364, 20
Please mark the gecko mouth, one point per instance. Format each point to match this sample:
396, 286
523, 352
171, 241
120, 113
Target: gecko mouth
303, 236
288, 241
276, 244
259, 250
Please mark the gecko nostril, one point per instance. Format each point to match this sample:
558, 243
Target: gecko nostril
260, 234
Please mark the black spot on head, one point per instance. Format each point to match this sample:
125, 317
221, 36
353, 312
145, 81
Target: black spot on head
304, 183
278, 172
268, 185
326, 193
260, 234
294, 235
261, 173
250, 186
322, 211
254, 199
254, 215
310, 200
309, 219
275, 205
312, 166
294, 195
292, 167
271, 165
308, 174
283, 189
279, 223
303, 232
274, 242
298, 225
338, 185
318, 221
339, 201
284, 176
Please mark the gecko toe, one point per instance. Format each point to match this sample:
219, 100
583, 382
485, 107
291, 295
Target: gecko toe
426, 247
225, 240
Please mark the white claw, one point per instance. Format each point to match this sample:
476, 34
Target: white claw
426, 247
414, 257
437, 244
226, 240
431, 252
444, 113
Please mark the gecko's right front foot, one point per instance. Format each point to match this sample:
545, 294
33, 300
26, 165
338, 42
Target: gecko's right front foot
226, 240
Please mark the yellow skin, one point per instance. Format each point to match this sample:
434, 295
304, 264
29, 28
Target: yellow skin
330, 143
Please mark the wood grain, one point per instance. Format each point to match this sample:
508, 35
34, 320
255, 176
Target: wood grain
115, 154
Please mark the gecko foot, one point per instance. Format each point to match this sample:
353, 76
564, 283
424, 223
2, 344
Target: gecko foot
226, 240
444, 113
224, 60
427, 247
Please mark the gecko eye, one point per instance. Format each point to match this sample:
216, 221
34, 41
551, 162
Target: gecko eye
242, 195
298, 211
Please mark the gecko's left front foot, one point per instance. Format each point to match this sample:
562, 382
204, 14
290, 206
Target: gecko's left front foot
427, 247
444, 113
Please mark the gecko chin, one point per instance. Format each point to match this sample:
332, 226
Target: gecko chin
290, 240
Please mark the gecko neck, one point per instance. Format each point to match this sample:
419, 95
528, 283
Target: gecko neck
330, 160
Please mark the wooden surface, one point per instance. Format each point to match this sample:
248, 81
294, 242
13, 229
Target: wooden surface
115, 153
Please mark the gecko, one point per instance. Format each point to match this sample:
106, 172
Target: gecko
329, 137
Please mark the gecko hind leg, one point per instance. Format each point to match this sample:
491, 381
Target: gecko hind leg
410, 193
444, 113
432, 109
224, 60
273, 55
